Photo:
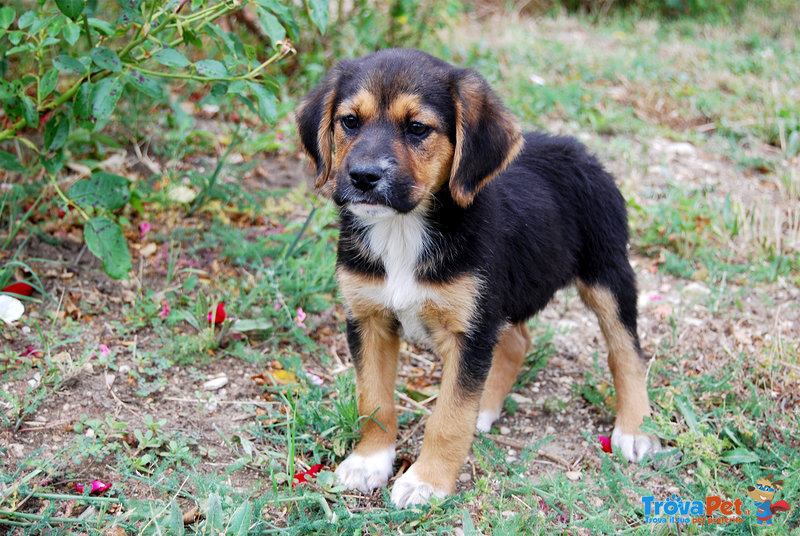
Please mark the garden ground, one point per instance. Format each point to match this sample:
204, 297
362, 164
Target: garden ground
198, 427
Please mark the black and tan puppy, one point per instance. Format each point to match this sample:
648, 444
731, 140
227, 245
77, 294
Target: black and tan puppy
455, 229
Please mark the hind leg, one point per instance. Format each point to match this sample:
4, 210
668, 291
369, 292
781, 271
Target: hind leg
614, 303
509, 354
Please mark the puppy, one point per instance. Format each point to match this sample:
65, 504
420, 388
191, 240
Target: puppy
455, 229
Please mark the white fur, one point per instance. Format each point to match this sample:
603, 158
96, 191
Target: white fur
410, 490
365, 473
397, 240
635, 446
485, 420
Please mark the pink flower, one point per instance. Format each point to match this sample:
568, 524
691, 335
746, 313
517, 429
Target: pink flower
31, 351
104, 350
162, 314
144, 228
301, 316
605, 443
98, 487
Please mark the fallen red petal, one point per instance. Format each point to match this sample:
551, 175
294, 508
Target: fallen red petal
605, 443
218, 316
19, 288
301, 477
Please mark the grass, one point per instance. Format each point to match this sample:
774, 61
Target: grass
696, 121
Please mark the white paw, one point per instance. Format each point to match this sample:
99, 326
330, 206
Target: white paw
485, 420
365, 473
635, 446
410, 490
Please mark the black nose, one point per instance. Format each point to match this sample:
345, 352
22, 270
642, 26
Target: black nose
365, 176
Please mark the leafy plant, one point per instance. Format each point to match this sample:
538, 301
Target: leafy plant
68, 67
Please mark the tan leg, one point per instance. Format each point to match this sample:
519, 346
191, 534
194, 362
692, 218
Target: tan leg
628, 370
448, 436
509, 355
377, 344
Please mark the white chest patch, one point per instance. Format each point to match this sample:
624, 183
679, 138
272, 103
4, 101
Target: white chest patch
398, 240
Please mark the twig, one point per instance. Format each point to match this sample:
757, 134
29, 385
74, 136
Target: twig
408, 399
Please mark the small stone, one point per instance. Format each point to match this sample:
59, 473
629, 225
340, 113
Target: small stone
124, 369
215, 384
464, 477
573, 475
505, 430
520, 399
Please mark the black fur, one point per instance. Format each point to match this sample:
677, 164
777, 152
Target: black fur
552, 217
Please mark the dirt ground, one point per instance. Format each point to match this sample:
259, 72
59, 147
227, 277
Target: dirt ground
547, 406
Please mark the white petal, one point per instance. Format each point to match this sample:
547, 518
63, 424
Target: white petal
11, 309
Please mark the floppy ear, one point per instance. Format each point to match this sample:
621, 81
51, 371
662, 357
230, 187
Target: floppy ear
314, 124
488, 136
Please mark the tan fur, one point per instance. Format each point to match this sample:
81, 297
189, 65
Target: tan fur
626, 366
375, 383
380, 346
429, 163
323, 137
362, 105
449, 431
509, 355
447, 318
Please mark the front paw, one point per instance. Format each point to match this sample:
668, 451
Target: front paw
365, 473
410, 490
635, 446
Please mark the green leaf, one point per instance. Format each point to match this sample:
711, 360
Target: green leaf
102, 189
104, 238
71, 33
68, 64
686, 410
29, 111
10, 162
239, 524
81, 107
213, 513
251, 324
104, 97
146, 84
211, 69
284, 14
101, 26
740, 456
54, 164
467, 525
106, 58
171, 58
318, 13
26, 19
175, 519
272, 26
47, 83
71, 8
6, 16
55, 132
267, 102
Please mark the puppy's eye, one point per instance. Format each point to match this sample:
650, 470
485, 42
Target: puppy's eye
417, 129
350, 122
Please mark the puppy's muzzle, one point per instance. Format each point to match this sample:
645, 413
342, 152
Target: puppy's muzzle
365, 176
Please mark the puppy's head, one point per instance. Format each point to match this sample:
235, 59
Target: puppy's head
388, 131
